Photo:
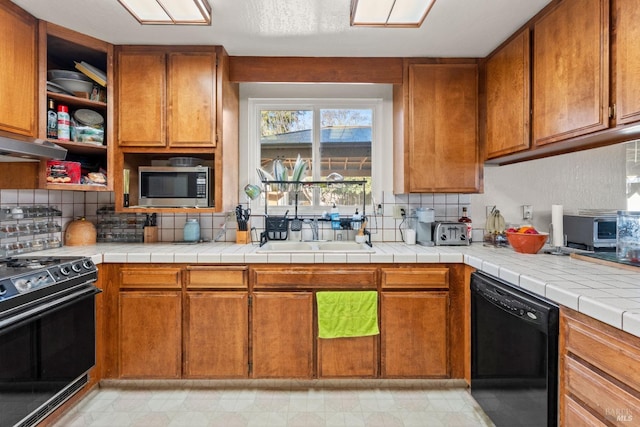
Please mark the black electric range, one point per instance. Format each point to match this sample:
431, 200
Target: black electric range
47, 334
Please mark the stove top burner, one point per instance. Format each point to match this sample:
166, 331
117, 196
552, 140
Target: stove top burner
27, 263
31, 277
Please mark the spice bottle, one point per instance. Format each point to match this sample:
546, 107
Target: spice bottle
52, 120
63, 123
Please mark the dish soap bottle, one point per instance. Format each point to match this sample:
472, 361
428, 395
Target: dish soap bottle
335, 218
464, 218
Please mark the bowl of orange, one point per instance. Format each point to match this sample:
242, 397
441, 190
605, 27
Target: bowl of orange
526, 240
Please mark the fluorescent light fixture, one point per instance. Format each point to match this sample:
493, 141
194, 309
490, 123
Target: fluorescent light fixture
178, 12
389, 13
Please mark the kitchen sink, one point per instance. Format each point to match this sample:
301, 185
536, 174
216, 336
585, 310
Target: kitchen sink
315, 246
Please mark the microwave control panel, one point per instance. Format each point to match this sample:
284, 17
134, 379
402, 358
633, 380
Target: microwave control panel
201, 185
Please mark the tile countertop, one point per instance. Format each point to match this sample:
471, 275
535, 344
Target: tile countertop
609, 294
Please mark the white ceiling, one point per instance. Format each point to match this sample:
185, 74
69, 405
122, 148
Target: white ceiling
453, 28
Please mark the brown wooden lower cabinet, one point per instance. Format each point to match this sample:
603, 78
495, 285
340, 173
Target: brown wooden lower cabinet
348, 357
415, 332
599, 373
150, 327
170, 329
182, 321
414, 328
282, 334
216, 328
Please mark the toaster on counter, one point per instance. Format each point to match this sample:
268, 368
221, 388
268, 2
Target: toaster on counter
450, 234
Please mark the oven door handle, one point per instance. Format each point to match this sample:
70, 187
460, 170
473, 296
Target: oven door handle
35, 313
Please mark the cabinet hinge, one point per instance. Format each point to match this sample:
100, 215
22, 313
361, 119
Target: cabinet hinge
612, 111
250, 368
250, 300
217, 61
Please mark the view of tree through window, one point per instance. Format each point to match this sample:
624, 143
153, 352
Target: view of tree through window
333, 142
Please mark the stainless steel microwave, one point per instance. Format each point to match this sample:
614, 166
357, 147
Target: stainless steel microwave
169, 186
596, 232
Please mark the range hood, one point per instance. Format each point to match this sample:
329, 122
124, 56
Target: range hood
12, 149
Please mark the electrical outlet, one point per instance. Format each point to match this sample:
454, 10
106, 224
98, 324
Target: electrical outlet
527, 212
230, 216
399, 211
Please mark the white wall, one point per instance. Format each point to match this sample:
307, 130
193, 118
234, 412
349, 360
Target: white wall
592, 179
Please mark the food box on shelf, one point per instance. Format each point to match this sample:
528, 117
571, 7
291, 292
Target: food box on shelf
63, 172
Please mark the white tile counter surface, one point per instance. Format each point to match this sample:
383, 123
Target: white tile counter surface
609, 294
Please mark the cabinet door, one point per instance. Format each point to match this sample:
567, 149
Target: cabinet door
348, 357
414, 334
571, 71
18, 71
141, 88
282, 334
627, 61
508, 107
443, 146
216, 335
192, 99
150, 325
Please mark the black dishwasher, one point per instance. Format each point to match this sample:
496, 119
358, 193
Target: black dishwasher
514, 353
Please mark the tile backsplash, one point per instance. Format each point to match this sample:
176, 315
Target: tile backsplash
382, 225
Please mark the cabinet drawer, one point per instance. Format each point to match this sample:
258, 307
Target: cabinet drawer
305, 278
163, 278
603, 397
613, 351
423, 278
223, 277
577, 415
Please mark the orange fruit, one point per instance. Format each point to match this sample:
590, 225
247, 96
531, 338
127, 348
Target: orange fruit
525, 228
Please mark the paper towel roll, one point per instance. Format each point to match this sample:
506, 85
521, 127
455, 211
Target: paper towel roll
556, 224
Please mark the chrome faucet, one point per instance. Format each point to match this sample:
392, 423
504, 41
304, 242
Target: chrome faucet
313, 224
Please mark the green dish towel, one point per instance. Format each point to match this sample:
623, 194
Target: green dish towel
347, 314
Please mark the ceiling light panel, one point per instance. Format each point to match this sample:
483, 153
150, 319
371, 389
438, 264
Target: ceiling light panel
409, 12
144, 10
399, 13
195, 12
373, 12
184, 11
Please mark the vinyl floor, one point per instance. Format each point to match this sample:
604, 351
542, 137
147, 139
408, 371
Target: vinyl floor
322, 403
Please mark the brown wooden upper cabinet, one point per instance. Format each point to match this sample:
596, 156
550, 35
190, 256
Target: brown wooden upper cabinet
18, 71
436, 110
167, 96
571, 71
626, 33
508, 97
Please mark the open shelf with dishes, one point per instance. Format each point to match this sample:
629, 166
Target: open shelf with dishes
84, 97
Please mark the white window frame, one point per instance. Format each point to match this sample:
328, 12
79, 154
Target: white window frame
256, 105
